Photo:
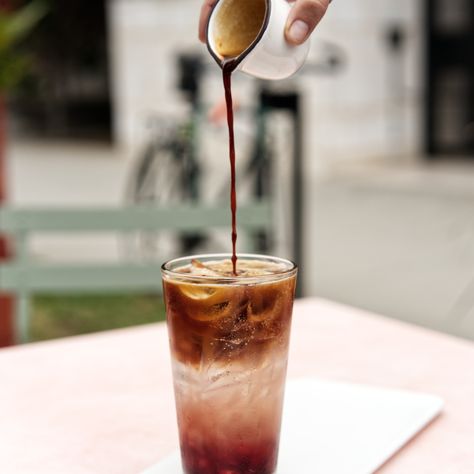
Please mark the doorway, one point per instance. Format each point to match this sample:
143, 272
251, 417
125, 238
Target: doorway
449, 78
67, 93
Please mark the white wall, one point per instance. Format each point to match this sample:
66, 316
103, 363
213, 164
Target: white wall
351, 115
144, 35
356, 114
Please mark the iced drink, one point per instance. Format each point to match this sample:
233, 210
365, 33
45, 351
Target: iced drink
229, 345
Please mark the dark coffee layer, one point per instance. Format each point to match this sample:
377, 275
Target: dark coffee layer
212, 323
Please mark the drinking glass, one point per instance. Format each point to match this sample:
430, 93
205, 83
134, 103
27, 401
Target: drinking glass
229, 340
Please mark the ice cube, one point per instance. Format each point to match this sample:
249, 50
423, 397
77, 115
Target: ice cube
198, 268
197, 292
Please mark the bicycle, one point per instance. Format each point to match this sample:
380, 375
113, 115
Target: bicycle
168, 169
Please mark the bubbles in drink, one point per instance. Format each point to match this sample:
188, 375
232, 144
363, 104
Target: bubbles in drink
217, 316
223, 268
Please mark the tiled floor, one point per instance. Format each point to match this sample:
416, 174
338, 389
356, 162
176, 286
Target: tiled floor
395, 239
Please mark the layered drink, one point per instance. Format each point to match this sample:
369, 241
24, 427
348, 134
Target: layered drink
229, 339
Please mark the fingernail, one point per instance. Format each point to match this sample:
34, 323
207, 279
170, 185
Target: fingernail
298, 31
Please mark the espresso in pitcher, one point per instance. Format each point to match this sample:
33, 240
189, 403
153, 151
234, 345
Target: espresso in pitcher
237, 25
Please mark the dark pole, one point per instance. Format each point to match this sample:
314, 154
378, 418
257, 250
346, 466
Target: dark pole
6, 300
290, 101
298, 221
429, 79
470, 56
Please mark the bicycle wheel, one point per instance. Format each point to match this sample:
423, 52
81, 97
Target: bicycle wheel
161, 176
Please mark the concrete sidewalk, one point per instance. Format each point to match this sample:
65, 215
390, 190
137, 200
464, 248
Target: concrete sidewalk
397, 241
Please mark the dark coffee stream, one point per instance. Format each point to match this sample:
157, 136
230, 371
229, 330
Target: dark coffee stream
228, 67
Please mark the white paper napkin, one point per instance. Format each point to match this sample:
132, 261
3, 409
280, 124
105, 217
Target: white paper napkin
338, 428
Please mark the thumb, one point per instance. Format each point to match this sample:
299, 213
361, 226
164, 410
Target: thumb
303, 18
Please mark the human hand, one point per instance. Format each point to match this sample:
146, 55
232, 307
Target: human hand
303, 18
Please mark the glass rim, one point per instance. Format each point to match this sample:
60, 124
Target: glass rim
278, 275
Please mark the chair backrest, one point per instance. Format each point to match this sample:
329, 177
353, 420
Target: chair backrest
23, 276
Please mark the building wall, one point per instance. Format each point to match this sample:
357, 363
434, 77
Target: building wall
144, 36
371, 109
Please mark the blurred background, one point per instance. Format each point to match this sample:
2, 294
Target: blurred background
365, 159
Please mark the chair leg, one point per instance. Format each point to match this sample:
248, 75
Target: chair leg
22, 320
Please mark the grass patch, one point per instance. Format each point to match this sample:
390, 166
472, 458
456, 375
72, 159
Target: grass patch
68, 315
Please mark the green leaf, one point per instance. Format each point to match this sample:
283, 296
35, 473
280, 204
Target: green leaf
16, 25
13, 67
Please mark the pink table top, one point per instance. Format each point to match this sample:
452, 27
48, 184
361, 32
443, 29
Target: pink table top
104, 403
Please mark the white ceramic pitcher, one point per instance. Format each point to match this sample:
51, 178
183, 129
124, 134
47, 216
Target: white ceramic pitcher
268, 56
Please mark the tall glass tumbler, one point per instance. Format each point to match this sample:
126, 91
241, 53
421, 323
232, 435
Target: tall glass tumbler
229, 340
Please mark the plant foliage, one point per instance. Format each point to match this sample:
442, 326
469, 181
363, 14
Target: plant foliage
15, 27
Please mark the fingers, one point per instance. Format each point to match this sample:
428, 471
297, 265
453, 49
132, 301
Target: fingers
303, 18
205, 12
